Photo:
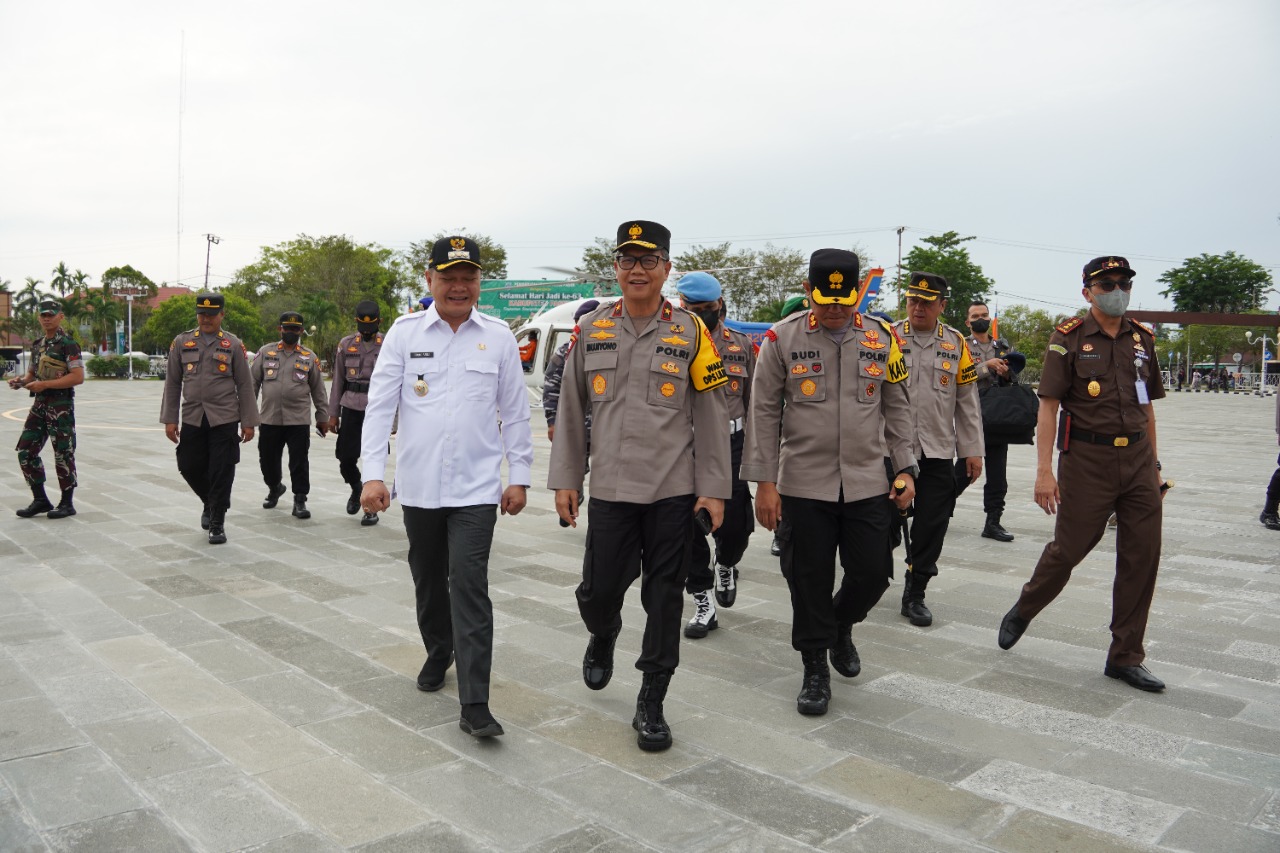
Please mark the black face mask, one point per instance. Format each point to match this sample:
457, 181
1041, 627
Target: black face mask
367, 330
980, 327
291, 338
710, 318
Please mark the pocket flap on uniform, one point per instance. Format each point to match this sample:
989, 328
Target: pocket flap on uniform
600, 360
482, 366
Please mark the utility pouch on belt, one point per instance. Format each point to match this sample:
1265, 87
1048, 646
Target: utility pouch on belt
50, 368
1064, 431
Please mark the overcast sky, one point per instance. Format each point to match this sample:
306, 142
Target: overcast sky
1054, 131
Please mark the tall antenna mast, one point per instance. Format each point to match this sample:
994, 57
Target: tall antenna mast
182, 108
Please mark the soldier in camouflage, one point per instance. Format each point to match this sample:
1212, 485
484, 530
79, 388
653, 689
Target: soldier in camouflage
555, 374
56, 367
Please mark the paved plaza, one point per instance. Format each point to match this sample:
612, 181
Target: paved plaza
159, 693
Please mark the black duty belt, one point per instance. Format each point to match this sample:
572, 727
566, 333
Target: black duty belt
1113, 440
358, 387
55, 394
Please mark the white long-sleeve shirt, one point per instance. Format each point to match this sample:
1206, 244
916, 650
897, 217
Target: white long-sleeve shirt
474, 411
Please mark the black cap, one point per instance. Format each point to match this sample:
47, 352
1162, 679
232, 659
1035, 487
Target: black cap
50, 306
367, 311
1107, 263
928, 286
210, 303
833, 275
448, 251
291, 318
645, 234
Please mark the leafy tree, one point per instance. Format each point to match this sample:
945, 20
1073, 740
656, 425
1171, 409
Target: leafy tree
492, 254
79, 281
178, 314
732, 269
102, 314
1226, 284
944, 255
1027, 329
61, 281
1214, 344
597, 259
126, 276
28, 300
4, 285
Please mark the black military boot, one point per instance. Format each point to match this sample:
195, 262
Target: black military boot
913, 606
844, 656
64, 507
815, 691
993, 530
652, 732
1269, 518
39, 503
273, 496
217, 533
204, 518
597, 663
353, 502
300, 507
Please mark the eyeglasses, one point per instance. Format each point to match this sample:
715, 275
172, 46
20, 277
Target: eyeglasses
1112, 284
628, 262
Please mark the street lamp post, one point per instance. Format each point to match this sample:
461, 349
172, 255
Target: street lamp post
1262, 340
213, 240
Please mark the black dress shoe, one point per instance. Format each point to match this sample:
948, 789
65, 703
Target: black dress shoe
369, 520
36, 507
478, 722
204, 518
300, 508
62, 510
1012, 627
597, 663
353, 503
775, 548
431, 678
217, 535
844, 657
1270, 520
1135, 676
273, 496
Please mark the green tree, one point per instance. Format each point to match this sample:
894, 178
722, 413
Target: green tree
118, 278
492, 254
1214, 344
102, 313
944, 255
79, 281
597, 260
732, 269
1227, 284
1027, 329
61, 281
178, 314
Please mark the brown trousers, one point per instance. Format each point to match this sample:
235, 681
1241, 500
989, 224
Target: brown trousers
1093, 481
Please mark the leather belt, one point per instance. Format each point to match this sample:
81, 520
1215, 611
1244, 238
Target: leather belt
1113, 440
736, 425
358, 387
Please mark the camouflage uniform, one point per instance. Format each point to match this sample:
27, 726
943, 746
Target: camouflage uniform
552, 378
52, 416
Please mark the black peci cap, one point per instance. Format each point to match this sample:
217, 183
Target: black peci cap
645, 234
291, 318
1107, 263
928, 286
367, 311
210, 303
448, 251
833, 277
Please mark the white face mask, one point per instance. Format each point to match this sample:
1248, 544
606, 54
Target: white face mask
1113, 304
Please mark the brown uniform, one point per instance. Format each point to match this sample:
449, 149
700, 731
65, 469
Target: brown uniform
348, 395
824, 413
289, 380
947, 417
657, 401
1105, 464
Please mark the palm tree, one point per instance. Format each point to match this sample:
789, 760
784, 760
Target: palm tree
61, 278
28, 301
4, 285
104, 314
80, 281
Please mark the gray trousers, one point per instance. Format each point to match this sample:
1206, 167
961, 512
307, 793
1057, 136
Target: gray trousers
449, 560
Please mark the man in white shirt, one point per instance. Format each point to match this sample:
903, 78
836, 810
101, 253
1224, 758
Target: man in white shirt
455, 375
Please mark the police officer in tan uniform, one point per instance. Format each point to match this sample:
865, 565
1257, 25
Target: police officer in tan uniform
654, 381
1102, 371
829, 383
700, 293
209, 376
948, 424
287, 375
349, 395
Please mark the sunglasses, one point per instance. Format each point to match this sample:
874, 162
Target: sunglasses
1108, 286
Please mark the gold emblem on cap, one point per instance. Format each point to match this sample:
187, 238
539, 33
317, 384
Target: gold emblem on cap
808, 387
635, 231
837, 280
599, 384
458, 243
1094, 388
667, 389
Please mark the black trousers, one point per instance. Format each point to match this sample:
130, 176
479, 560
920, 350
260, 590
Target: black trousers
732, 535
934, 503
207, 458
347, 447
994, 468
859, 532
449, 561
1273, 490
272, 440
648, 541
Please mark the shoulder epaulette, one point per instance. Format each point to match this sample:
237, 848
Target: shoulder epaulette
1150, 331
1070, 326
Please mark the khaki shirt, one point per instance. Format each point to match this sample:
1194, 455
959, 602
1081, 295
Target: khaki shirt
210, 375
353, 362
944, 392
819, 410
288, 379
739, 357
657, 400
1096, 377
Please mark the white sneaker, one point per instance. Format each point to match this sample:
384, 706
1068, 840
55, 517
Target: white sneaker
726, 585
704, 618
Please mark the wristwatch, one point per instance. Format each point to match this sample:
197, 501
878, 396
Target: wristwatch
913, 470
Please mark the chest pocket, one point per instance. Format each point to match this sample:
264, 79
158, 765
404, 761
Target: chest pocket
352, 367
481, 380
190, 363
668, 381
735, 366
806, 382
301, 369
601, 372
270, 369
946, 368
1094, 364
221, 364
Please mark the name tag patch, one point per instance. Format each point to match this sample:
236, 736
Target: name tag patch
422, 355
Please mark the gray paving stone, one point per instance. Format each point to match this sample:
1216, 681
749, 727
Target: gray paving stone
963, 732
150, 745
1055, 694
32, 726
14, 682
139, 604
379, 745
16, 835
400, 699
1201, 832
588, 839
299, 842
330, 664
182, 629
219, 607
352, 634
430, 836
1252, 768
612, 742
144, 829
296, 698
20, 628
1229, 733
881, 834
93, 698
270, 634
927, 758
179, 586
185, 691
136, 654
318, 588
233, 660
254, 740
221, 808
69, 786
1033, 832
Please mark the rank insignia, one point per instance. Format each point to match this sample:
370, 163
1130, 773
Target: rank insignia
353, 349
1135, 337
666, 312
598, 384
675, 341
817, 367
189, 344
870, 390
771, 335
667, 389
808, 387
945, 380
873, 370
947, 345
271, 352
602, 336
668, 366
799, 370
603, 323
813, 321
1087, 348
734, 348
678, 328
872, 335
1058, 348
872, 344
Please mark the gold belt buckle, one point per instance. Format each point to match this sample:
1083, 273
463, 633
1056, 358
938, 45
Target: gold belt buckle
1121, 441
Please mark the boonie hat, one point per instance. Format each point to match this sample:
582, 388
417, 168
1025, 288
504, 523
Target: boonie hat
833, 275
210, 303
448, 251
1107, 263
698, 287
927, 286
643, 233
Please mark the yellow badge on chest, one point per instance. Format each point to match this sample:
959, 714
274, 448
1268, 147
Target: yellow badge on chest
808, 387
667, 389
670, 367
598, 384
1094, 388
